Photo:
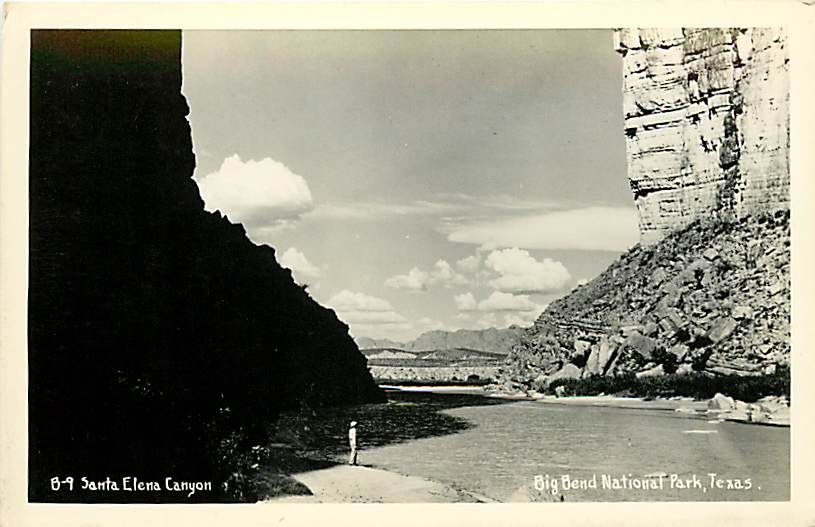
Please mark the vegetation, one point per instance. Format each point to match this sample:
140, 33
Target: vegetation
697, 385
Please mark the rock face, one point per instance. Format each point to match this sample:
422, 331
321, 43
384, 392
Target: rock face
708, 288
706, 123
158, 332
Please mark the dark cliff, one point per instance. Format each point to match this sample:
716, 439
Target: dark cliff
158, 332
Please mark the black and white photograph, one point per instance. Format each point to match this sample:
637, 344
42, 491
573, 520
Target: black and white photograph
395, 266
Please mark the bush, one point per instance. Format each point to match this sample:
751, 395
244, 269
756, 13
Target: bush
666, 359
697, 385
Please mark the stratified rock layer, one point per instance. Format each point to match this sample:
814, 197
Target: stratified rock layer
706, 122
158, 332
708, 289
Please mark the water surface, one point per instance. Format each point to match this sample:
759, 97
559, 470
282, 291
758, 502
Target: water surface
503, 447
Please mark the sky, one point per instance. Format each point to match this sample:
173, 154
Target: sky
417, 180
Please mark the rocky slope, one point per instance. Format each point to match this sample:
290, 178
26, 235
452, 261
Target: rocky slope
713, 297
158, 332
491, 340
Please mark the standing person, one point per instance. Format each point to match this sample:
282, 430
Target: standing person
352, 441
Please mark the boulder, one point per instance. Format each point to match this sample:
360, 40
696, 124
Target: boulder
722, 328
604, 353
742, 312
710, 253
643, 345
666, 325
593, 363
772, 403
652, 372
627, 331
721, 403
777, 287
658, 276
568, 371
679, 351
581, 348
650, 329
684, 369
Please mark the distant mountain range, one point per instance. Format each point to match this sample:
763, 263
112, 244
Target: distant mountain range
490, 340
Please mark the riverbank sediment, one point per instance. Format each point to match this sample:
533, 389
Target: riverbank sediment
361, 484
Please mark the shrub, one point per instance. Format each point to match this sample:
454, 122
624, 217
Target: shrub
697, 385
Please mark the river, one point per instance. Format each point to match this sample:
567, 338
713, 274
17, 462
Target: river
496, 448
508, 445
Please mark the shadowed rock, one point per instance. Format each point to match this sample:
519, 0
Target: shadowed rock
156, 330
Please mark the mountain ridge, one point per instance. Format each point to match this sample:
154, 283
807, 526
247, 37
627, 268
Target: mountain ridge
489, 340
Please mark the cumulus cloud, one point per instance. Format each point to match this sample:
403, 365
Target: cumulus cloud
347, 300
521, 318
591, 228
415, 279
302, 268
499, 319
470, 264
465, 302
444, 274
499, 301
358, 308
255, 192
419, 280
519, 272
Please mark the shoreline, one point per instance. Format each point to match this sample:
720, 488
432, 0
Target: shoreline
367, 484
679, 404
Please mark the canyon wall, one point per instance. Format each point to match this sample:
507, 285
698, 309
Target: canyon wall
707, 291
706, 123
162, 341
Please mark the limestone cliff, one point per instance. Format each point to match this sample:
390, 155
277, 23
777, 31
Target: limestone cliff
159, 334
706, 123
707, 137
